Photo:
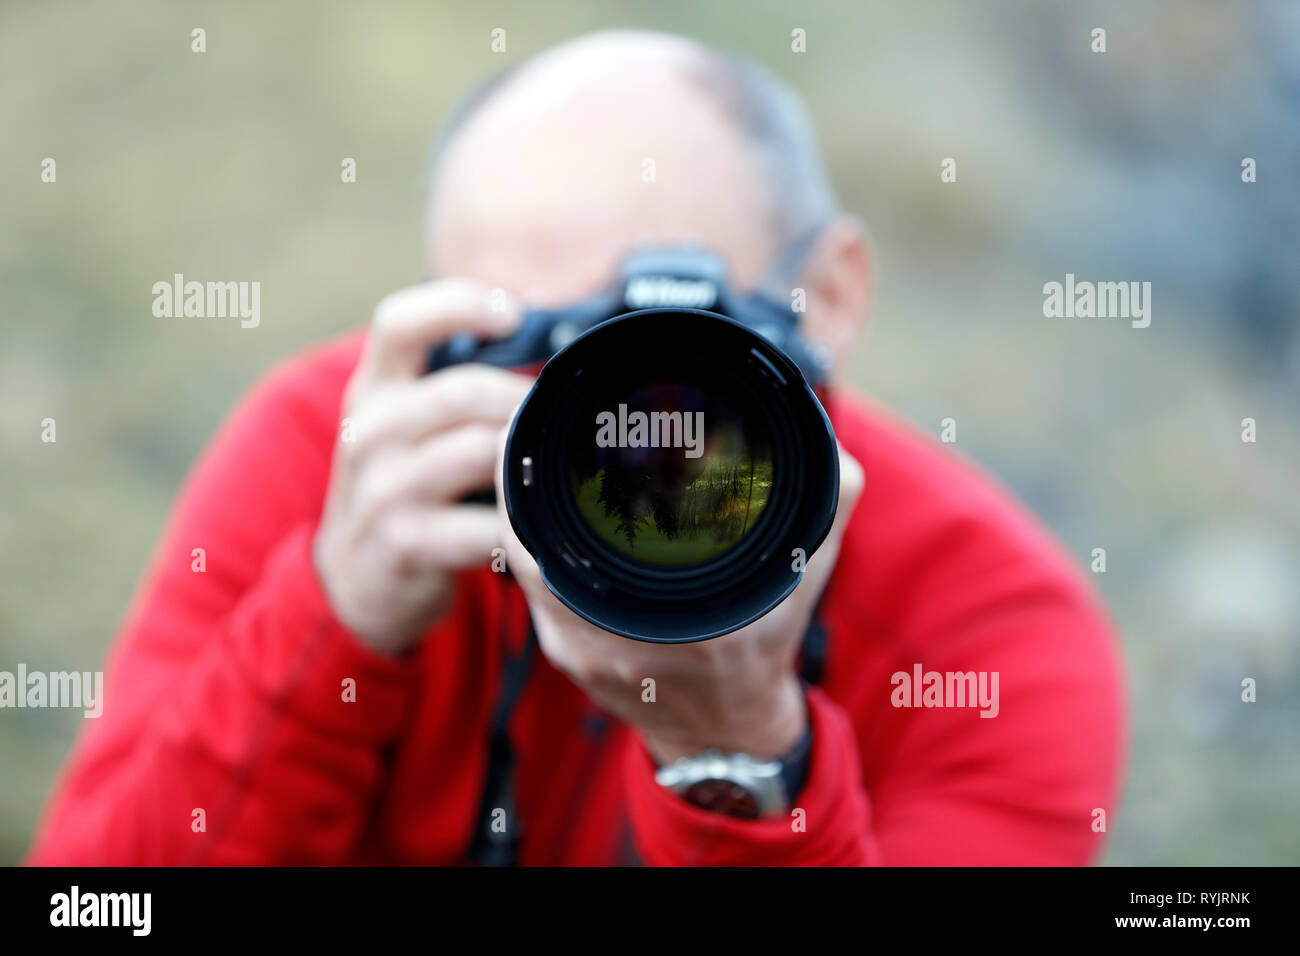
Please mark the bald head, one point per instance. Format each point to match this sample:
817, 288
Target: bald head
548, 175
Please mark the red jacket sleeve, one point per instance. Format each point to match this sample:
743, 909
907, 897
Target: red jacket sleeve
1034, 785
225, 735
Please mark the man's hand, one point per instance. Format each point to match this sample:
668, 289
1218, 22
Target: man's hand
392, 533
735, 692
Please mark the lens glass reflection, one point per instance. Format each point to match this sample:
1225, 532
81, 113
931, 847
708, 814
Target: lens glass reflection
669, 474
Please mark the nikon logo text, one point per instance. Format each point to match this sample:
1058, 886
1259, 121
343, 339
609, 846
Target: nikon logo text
653, 430
655, 292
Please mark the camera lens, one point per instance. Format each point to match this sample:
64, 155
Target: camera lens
671, 471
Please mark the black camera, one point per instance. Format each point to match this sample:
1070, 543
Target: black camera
672, 469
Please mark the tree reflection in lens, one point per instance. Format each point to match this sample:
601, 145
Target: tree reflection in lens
659, 506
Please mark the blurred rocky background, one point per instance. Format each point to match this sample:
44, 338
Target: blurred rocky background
1117, 166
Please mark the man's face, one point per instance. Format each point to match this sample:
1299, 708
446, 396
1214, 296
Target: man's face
572, 164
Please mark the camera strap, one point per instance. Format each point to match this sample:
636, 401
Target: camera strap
497, 829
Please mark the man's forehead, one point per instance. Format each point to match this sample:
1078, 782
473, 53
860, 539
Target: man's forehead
567, 168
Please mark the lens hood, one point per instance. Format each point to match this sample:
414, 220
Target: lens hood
671, 544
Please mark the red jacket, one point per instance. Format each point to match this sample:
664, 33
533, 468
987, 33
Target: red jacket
224, 690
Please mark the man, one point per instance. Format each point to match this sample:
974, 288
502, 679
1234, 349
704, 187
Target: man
327, 691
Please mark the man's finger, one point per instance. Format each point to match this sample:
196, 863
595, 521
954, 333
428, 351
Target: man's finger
852, 481
449, 538
408, 323
454, 463
441, 470
412, 411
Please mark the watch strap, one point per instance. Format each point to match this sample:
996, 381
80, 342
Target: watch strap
794, 765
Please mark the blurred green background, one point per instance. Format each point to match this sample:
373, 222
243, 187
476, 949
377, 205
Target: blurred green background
1123, 165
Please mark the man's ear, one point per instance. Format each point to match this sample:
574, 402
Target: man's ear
839, 279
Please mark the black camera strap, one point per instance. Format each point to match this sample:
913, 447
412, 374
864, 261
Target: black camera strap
497, 829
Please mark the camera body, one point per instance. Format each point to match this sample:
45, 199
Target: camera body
671, 469
651, 278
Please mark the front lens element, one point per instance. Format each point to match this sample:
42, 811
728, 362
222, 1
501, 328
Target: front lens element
670, 474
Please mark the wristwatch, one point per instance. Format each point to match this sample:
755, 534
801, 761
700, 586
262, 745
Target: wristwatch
738, 785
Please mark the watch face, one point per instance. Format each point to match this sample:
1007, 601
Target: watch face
724, 796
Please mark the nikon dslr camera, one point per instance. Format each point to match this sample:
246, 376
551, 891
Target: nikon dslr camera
672, 468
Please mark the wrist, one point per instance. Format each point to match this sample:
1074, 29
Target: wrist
776, 722
739, 784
